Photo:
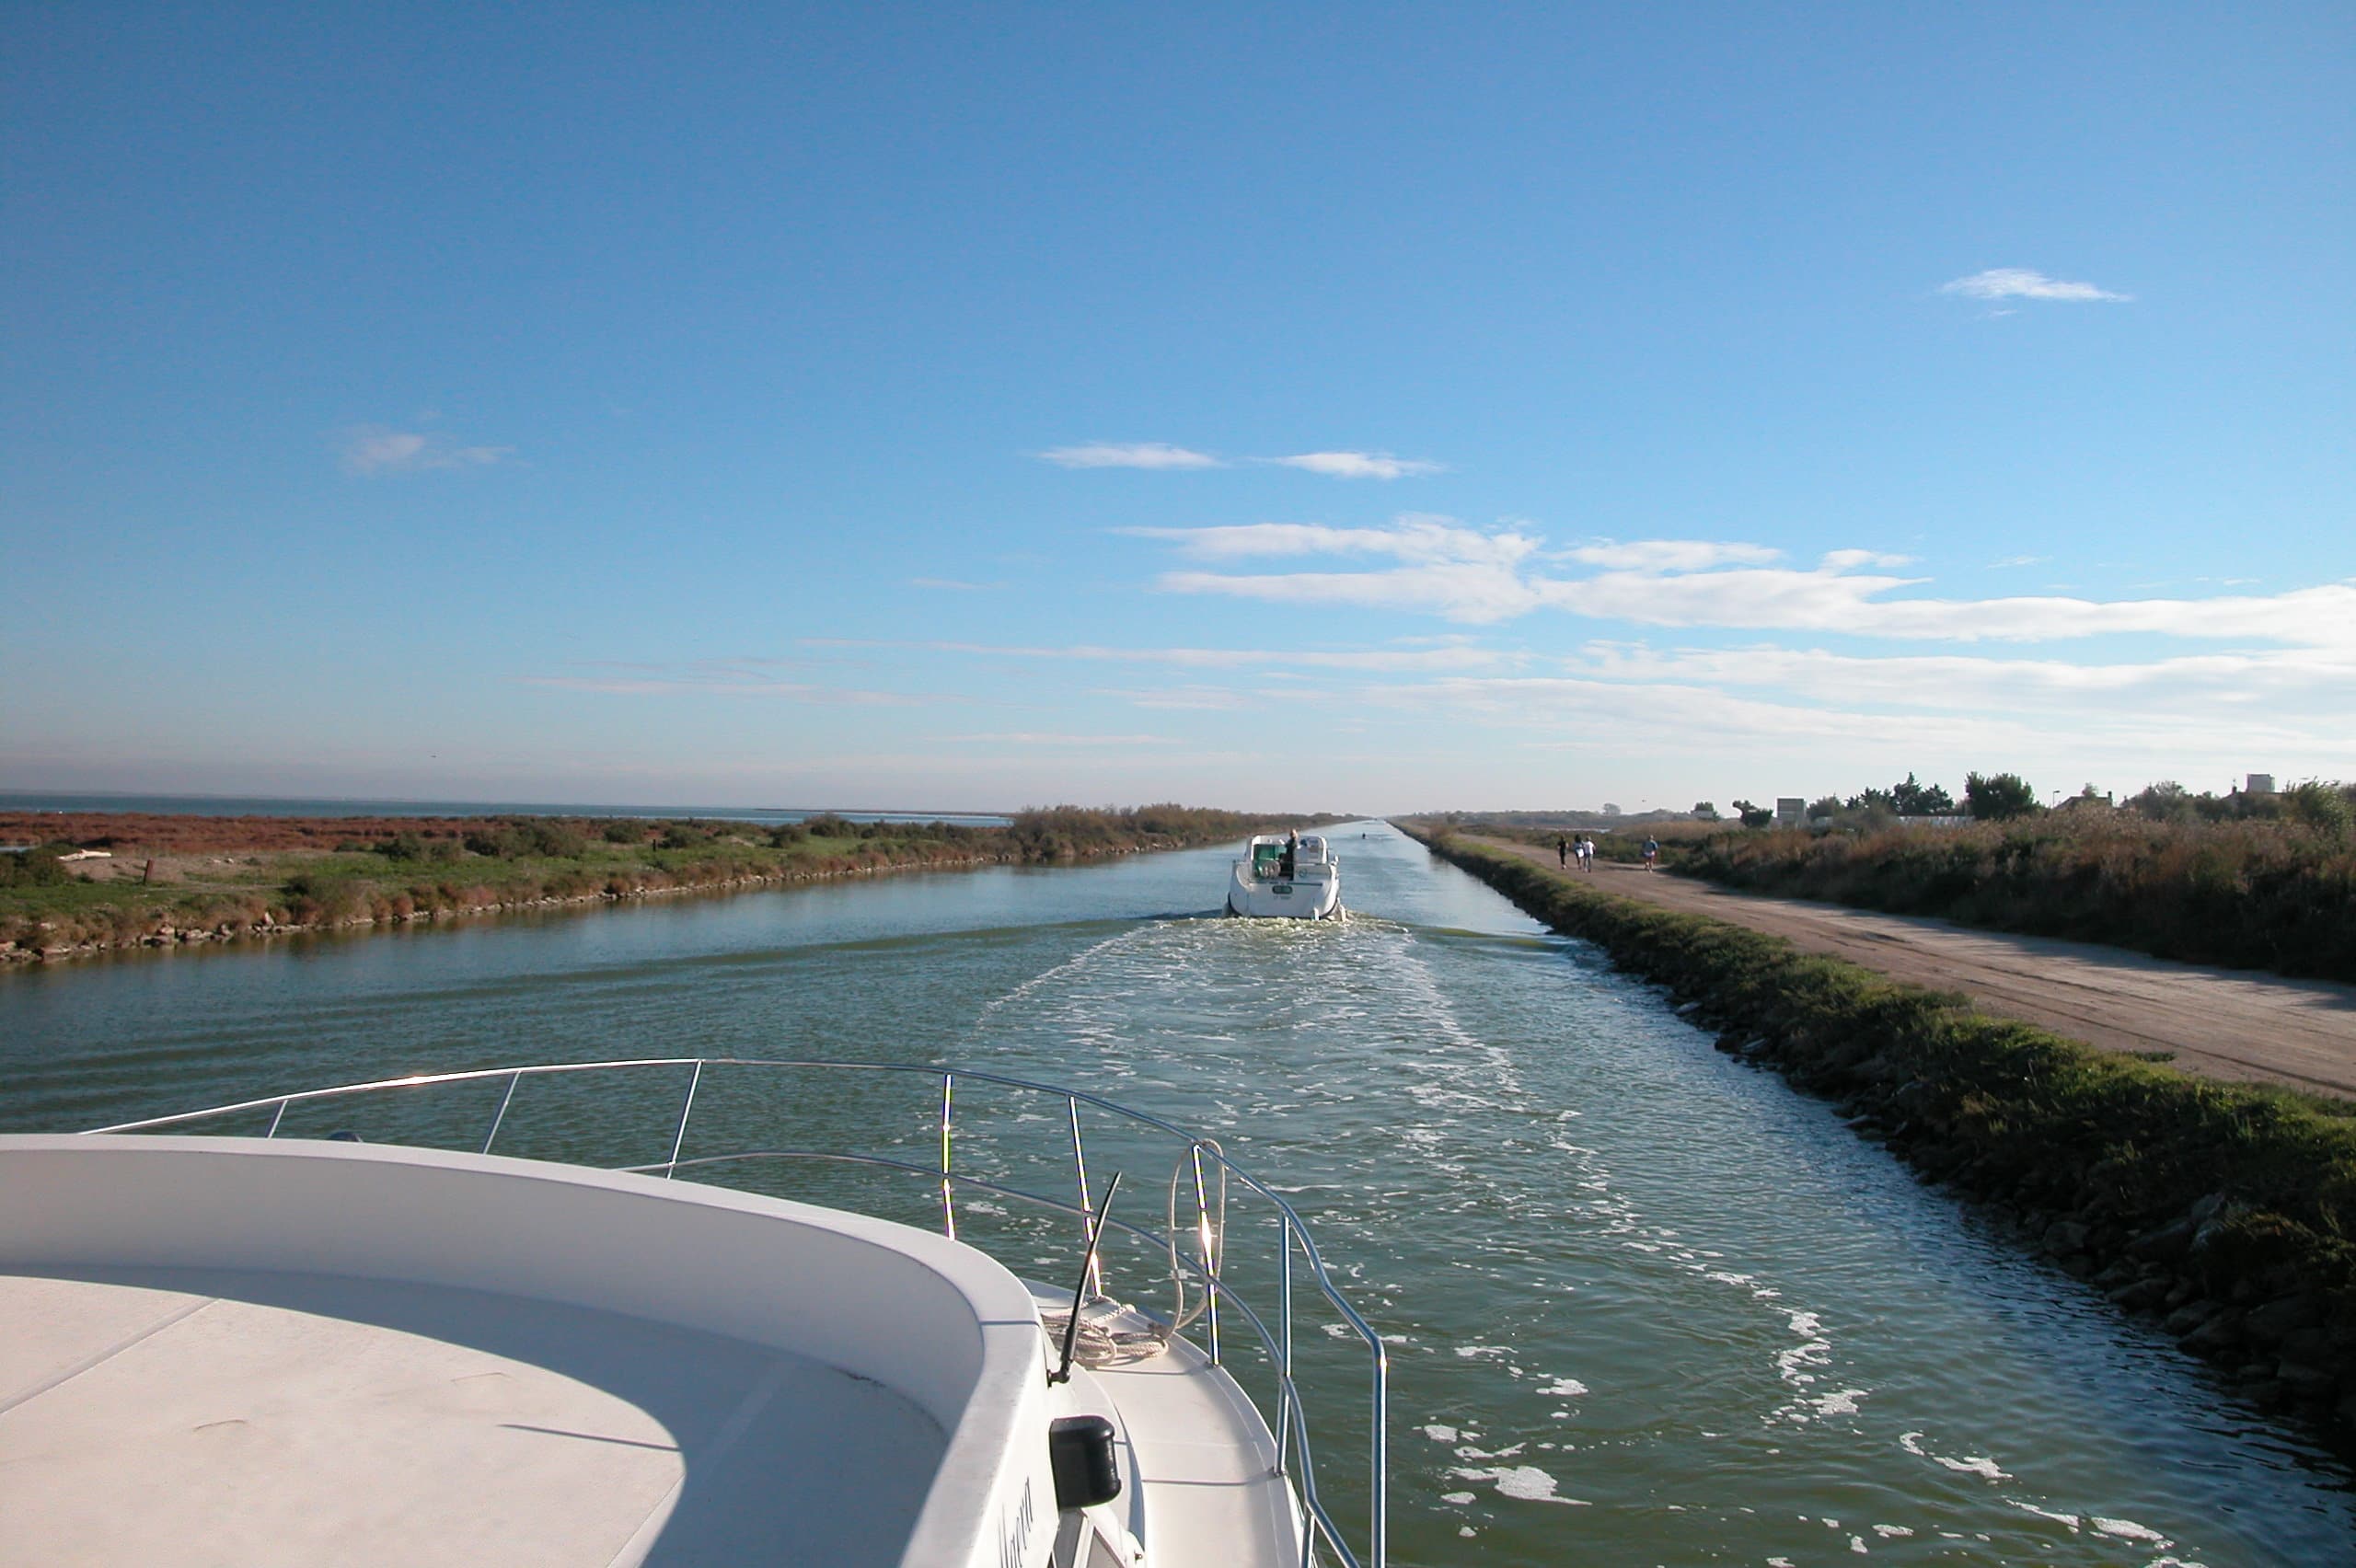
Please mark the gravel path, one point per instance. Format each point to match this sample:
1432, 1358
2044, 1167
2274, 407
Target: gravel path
2225, 1023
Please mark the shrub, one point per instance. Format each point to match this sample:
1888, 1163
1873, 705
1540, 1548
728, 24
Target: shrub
37, 867
1998, 799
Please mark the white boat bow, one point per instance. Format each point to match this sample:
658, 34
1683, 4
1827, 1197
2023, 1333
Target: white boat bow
311, 1349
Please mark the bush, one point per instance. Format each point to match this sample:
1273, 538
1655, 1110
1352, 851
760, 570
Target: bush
1998, 799
37, 867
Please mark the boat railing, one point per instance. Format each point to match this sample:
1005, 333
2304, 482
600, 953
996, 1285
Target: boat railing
1202, 1175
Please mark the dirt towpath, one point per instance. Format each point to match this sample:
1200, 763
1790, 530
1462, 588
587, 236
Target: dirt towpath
2224, 1023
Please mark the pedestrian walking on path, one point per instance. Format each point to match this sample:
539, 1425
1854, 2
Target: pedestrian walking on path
1652, 852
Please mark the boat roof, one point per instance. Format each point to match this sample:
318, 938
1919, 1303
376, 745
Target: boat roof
313, 1352
283, 1418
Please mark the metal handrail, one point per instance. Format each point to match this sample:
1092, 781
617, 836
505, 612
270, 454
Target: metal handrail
1292, 1426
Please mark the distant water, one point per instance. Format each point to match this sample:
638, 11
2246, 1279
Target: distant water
1645, 1305
293, 806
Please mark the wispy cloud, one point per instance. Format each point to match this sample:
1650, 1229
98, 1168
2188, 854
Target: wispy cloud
1359, 464
1453, 654
1129, 455
747, 678
1470, 575
1412, 536
2020, 283
1672, 555
2019, 561
1038, 738
377, 449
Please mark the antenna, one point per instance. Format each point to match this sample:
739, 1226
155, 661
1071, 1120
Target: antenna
1087, 1267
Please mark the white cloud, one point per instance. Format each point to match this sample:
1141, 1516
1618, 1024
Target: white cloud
1468, 575
2210, 683
1037, 738
1453, 654
1129, 455
1414, 536
375, 449
2020, 283
1672, 555
1359, 464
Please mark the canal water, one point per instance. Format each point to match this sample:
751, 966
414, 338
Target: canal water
1644, 1305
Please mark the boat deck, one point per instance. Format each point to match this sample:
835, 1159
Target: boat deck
1207, 1487
182, 1416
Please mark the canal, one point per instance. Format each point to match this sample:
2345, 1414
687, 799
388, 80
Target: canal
1644, 1305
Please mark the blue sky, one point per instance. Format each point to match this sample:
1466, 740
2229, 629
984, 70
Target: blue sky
1372, 409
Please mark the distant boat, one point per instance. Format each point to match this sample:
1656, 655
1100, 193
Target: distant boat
1298, 879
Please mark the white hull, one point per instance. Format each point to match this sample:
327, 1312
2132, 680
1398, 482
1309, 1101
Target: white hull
1285, 900
1302, 882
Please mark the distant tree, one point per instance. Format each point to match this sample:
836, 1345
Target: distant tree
1998, 797
1610, 808
1873, 800
2324, 807
1751, 815
1706, 811
1911, 799
1823, 806
2166, 801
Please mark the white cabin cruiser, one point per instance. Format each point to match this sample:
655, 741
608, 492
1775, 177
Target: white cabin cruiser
1297, 876
297, 1347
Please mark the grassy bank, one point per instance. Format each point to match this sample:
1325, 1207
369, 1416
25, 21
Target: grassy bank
209, 879
2225, 1211
2276, 896
2259, 889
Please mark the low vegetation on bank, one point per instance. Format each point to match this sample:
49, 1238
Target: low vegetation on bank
2253, 893
2226, 1212
173, 879
2251, 881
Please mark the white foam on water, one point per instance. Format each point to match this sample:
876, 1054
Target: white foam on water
2128, 1530
1492, 1351
1458, 1498
1857, 1545
1892, 1532
1499, 1454
1525, 1483
2071, 1520
1986, 1469
1563, 1388
1439, 1434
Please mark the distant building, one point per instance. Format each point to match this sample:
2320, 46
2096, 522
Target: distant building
2261, 783
1790, 812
